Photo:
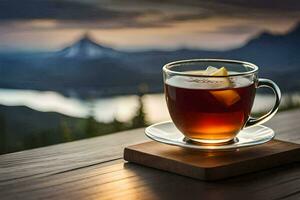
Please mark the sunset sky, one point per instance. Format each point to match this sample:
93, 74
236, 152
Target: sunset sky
141, 24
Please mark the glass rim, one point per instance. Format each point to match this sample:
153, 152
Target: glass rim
166, 67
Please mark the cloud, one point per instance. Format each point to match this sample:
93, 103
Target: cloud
274, 5
43, 15
54, 14
197, 9
116, 14
60, 10
138, 13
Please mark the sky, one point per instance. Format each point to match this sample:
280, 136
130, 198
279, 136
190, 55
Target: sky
142, 24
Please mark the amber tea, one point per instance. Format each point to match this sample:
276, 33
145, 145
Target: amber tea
205, 111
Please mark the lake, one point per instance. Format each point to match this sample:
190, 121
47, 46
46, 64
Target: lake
122, 108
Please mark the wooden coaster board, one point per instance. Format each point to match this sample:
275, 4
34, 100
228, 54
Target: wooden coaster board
212, 165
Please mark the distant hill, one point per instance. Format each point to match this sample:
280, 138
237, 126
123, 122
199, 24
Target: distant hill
24, 128
90, 69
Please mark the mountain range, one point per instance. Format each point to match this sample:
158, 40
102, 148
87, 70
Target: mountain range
88, 69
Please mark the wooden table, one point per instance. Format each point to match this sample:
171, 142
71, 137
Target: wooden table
94, 169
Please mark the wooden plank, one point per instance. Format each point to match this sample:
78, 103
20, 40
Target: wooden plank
131, 181
212, 165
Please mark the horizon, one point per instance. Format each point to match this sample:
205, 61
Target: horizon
128, 26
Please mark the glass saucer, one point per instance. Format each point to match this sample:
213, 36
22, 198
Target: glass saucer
166, 132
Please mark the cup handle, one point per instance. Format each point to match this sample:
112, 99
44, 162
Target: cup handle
269, 84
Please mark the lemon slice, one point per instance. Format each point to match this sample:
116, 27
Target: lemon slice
218, 72
223, 82
227, 97
210, 70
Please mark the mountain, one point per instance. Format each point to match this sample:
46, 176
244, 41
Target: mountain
83, 68
86, 48
273, 49
276, 55
90, 69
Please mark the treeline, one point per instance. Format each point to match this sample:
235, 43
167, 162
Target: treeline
22, 128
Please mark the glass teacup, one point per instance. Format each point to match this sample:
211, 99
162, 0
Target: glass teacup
213, 109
